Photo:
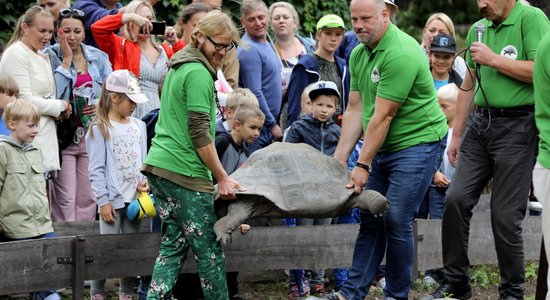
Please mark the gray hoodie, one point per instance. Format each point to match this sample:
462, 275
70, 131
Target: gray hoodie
102, 166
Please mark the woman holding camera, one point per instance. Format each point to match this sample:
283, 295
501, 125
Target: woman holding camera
75, 66
136, 50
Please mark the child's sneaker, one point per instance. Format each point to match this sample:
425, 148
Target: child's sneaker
98, 297
534, 204
317, 288
381, 282
294, 292
124, 296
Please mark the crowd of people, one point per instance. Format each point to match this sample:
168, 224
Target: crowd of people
99, 105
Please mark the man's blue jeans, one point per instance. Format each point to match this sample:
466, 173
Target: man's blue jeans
403, 177
432, 205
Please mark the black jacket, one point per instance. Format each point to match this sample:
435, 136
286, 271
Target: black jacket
231, 155
321, 136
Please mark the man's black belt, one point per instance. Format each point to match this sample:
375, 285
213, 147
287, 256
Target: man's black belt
507, 112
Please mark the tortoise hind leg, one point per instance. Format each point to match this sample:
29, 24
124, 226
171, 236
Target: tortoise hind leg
372, 201
238, 212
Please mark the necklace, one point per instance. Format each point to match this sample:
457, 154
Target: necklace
80, 63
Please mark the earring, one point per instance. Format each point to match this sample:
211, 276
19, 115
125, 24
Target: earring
26, 33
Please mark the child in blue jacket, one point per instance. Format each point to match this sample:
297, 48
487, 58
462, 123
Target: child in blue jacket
321, 132
323, 64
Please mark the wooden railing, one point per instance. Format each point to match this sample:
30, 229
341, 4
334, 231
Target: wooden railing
79, 253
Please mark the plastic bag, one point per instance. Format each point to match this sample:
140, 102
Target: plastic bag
86, 94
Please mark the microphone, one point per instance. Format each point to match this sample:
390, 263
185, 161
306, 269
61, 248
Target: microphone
480, 29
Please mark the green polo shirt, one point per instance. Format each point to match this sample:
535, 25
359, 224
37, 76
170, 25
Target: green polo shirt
397, 70
541, 82
189, 88
517, 38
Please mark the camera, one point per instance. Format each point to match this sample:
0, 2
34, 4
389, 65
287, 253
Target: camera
159, 27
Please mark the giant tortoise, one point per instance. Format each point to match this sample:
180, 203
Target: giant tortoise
287, 180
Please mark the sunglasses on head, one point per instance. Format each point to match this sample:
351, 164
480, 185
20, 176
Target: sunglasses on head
71, 12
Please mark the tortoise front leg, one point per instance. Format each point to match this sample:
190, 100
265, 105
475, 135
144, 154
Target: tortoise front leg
238, 212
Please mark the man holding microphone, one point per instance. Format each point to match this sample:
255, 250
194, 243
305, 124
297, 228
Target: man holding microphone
496, 141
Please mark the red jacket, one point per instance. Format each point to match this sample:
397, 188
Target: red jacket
123, 53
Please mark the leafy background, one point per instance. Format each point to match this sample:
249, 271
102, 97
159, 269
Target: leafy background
411, 17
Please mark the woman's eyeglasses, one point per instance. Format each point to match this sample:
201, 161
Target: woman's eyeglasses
71, 12
220, 47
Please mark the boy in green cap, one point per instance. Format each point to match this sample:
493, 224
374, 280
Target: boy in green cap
321, 65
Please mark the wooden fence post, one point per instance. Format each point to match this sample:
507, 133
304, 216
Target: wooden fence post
79, 267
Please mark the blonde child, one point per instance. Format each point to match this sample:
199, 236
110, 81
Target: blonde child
432, 206
240, 96
8, 92
116, 144
447, 96
232, 138
23, 192
321, 132
305, 105
305, 102
247, 120
231, 146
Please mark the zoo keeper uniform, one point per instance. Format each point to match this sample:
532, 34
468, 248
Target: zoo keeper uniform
499, 141
402, 170
182, 183
541, 173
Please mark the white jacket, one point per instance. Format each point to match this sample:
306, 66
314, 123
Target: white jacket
34, 76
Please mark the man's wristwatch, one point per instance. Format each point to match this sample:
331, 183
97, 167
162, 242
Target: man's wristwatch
368, 168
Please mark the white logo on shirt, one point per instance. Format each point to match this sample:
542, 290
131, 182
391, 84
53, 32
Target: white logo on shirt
509, 51
375, 75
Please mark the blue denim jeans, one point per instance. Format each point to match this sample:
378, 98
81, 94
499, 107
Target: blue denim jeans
432, 205
403, 177
351, 217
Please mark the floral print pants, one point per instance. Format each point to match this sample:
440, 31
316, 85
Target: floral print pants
187, 221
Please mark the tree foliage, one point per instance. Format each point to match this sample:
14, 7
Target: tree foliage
411, 17
10, 12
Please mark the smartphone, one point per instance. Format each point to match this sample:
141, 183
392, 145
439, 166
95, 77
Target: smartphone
159, 27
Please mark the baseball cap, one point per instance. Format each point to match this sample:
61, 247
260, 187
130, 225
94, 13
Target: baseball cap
392, 3
443, 43
124, 81
323, 88
330, 21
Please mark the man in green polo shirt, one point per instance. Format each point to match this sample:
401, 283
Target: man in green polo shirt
541, 173
393, 105
497, 141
